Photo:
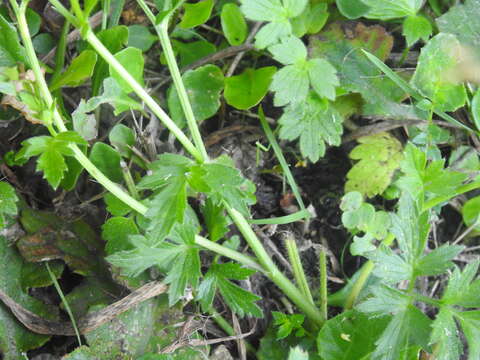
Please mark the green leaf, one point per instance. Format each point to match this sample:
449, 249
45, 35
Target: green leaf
169, 175
290, 51
471, 211
355, 71
11, 51
415, 28
440, 56
14, 337
457, 21
277, 13
389, 266
51, 151
249, 88
196, 14
391, 9
116, 232
476, 109
43, 43
122, 138
290, 84
444, 335
80, 69
407, 328
297, 353
113, 39
8, 202
107, 160
311, 21
115, 206
314, 122
379, 156
239, 300
113, 95
215, 220
83, 123
192, 51
350, 335
352, 9
35, 275
233, 23
203, 86
132, 60
470, 323
226, 183
288, 324
462, 289
33, 21
438, 261
323, 77
140, 37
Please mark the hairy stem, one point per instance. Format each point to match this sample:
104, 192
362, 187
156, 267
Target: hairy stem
323, 285
297, 267
271, 270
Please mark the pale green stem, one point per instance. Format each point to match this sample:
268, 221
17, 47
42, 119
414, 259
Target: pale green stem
297, 268
271, 269
140, 91
230, 253
162, 32
58, 121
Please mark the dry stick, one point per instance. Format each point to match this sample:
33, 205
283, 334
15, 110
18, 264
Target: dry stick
89, 322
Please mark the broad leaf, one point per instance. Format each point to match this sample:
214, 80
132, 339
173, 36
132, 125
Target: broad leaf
203, 86
379, 156
444, 337
350, 335
438, 261
391, 9
116, 231
14, 337
140, 37
415, 28
437, 60
132, 60
196, 14
107, 160
314, 123
8, 202
192, 51
11, 51
122, 138
458, 21
233, 23
248, 89
80, 69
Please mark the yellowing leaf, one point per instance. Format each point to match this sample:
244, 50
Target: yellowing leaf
379, 156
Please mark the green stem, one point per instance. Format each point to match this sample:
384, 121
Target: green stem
297, 268
162, 31
365, 272
140, 91
323, 284
271, 269
58, 121
281, 159
227, 252
65, 303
